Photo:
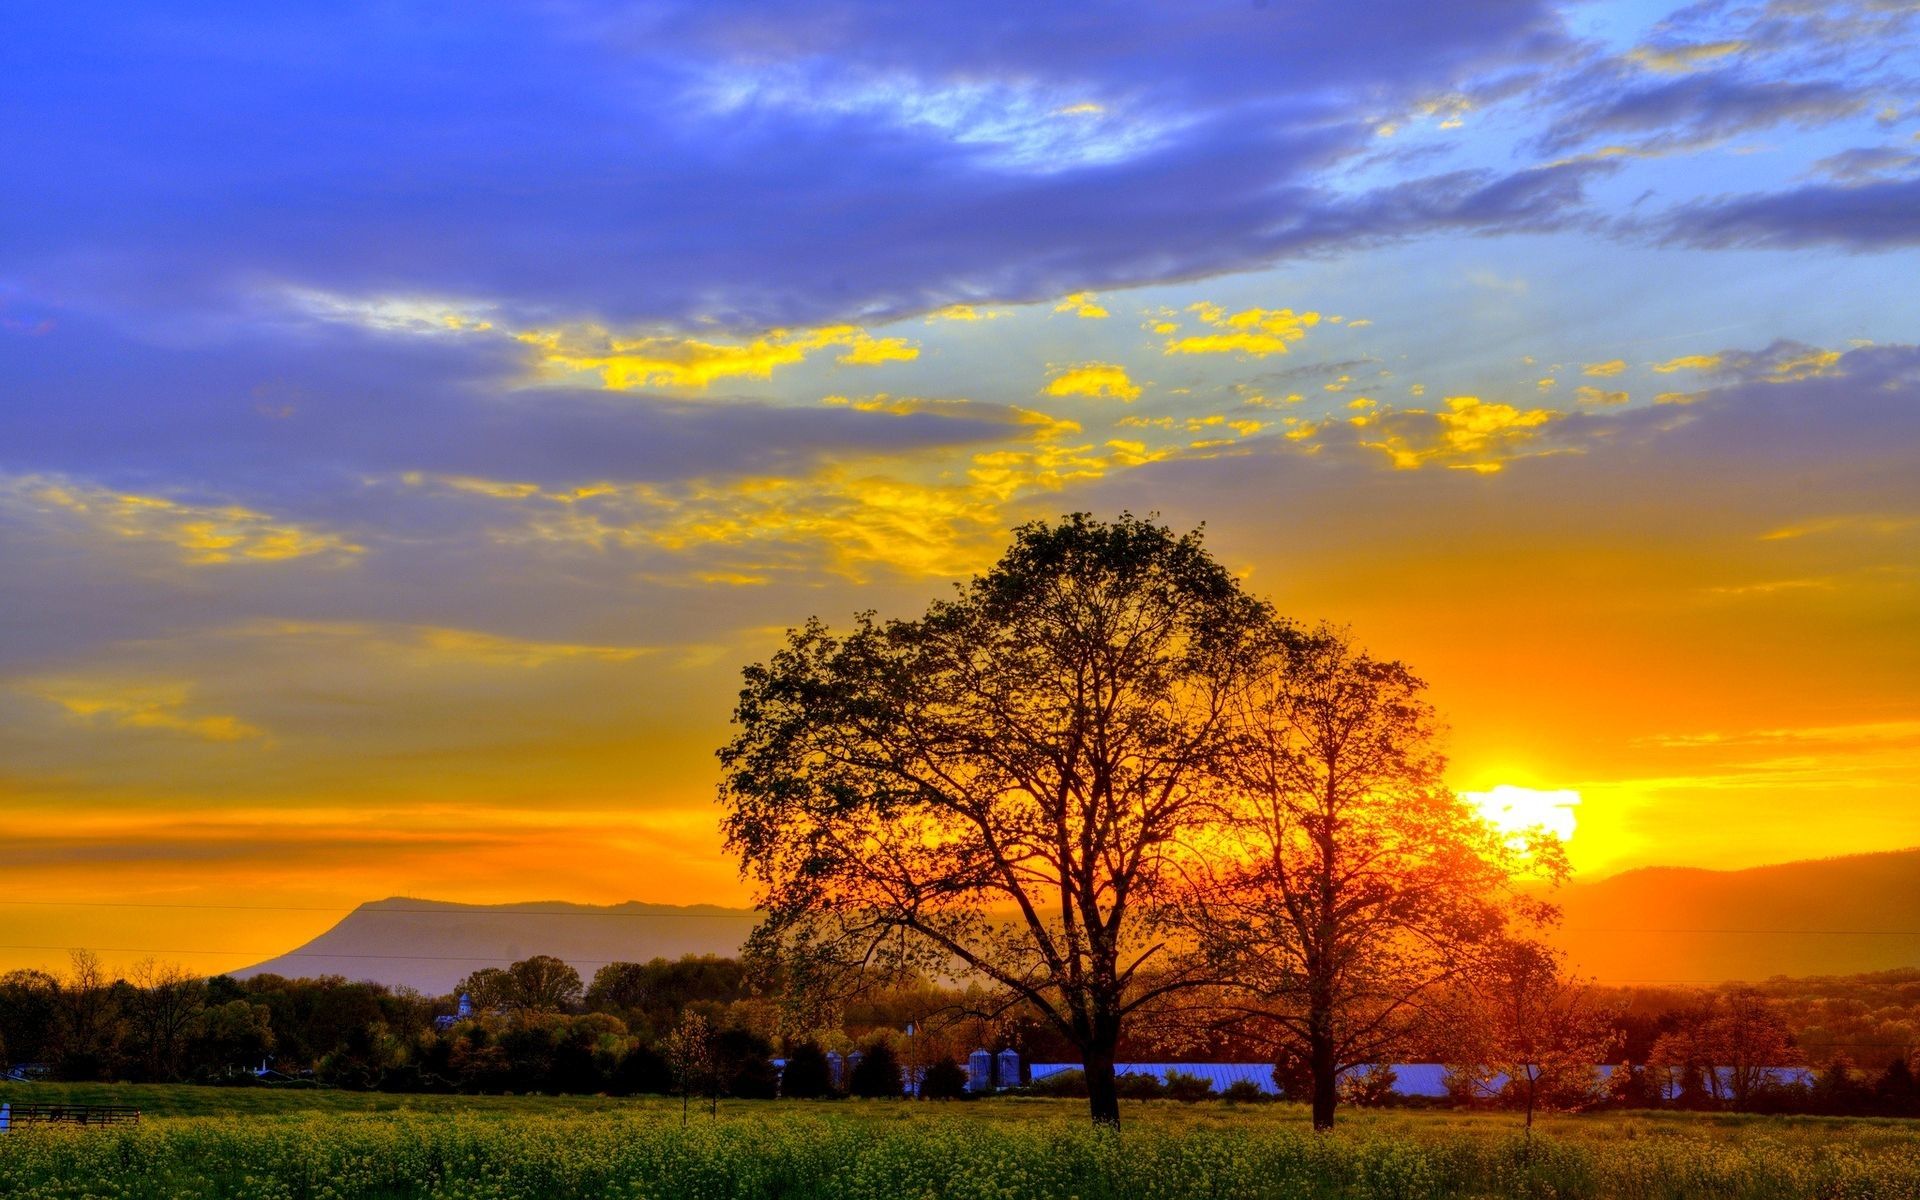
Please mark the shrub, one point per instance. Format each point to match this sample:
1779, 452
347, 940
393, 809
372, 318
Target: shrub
1292, 1076
806, 1076
1187, 1087
744, 1061
642, 1071
878, 1075
1062, 1084
1137, 1085
1369, 1086
945, 1080
1243, 1091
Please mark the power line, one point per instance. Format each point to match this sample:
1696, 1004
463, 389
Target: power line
443, 912
754, 916
273, 954
1764, 932
491, 958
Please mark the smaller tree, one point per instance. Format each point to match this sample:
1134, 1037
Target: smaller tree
1895, 1093
1627, 1087
165, 1001
1836, 1092
230, 1036
1370, 1086
1292, 1073
877, 1077
1344, 887
544, 983
642, 1070
489, 989
806, 1075
1187, 1087
743, 1062
1243, 1091
618, 987
1743, 1041
1532, 1035
30, 1014
689, 1053
944, 1080
89, 1024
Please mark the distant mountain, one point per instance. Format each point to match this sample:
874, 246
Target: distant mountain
1834, 916
431, 945
1837, 916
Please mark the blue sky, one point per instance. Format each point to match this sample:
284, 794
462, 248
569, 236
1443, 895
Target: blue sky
412, 416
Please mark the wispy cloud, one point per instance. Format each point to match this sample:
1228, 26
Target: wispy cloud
201, 534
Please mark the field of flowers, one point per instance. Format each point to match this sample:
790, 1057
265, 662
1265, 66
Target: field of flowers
990, 1151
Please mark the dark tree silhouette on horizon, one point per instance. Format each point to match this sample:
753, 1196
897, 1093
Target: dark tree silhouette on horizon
1005, 786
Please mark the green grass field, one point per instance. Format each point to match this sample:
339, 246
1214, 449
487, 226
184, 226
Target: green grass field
283, 1145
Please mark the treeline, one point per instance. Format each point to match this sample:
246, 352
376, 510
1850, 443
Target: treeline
698, 1026
691, 1025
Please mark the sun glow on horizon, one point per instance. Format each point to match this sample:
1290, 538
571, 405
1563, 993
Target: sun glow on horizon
1516, 810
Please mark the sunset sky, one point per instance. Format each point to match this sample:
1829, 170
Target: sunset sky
412, 417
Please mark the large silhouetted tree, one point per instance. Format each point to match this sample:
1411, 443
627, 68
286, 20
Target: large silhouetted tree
1006, 785
1346, 883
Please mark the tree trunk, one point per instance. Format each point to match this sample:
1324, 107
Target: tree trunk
1103, 1098
1320, 1054
1326, 1074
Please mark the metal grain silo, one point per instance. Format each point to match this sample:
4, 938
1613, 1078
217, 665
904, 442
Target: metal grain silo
980, 1072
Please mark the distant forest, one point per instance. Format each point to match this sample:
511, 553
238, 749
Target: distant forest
538, 1027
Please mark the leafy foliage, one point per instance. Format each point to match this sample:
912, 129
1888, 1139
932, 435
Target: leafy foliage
877, 1075
1344, 884
1039, 745
806, 1075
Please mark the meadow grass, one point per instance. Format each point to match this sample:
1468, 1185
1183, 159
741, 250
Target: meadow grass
320, 1145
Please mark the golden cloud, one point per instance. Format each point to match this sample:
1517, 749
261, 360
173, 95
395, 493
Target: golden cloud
673, 361
202, 533
1674, 60
140, 705
436, 644
1599, 397
965, 312
1604, 370
942, 514
1876, 524
1258, 332
1806, 365
1688, 362
1083, 305
1093, 379
1469, 434
624, 362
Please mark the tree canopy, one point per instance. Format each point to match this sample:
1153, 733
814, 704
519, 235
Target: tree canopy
1006, 785
1343, 882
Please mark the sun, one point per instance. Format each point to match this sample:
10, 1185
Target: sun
1516, 810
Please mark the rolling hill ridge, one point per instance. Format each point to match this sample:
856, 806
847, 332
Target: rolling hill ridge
1680, 925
